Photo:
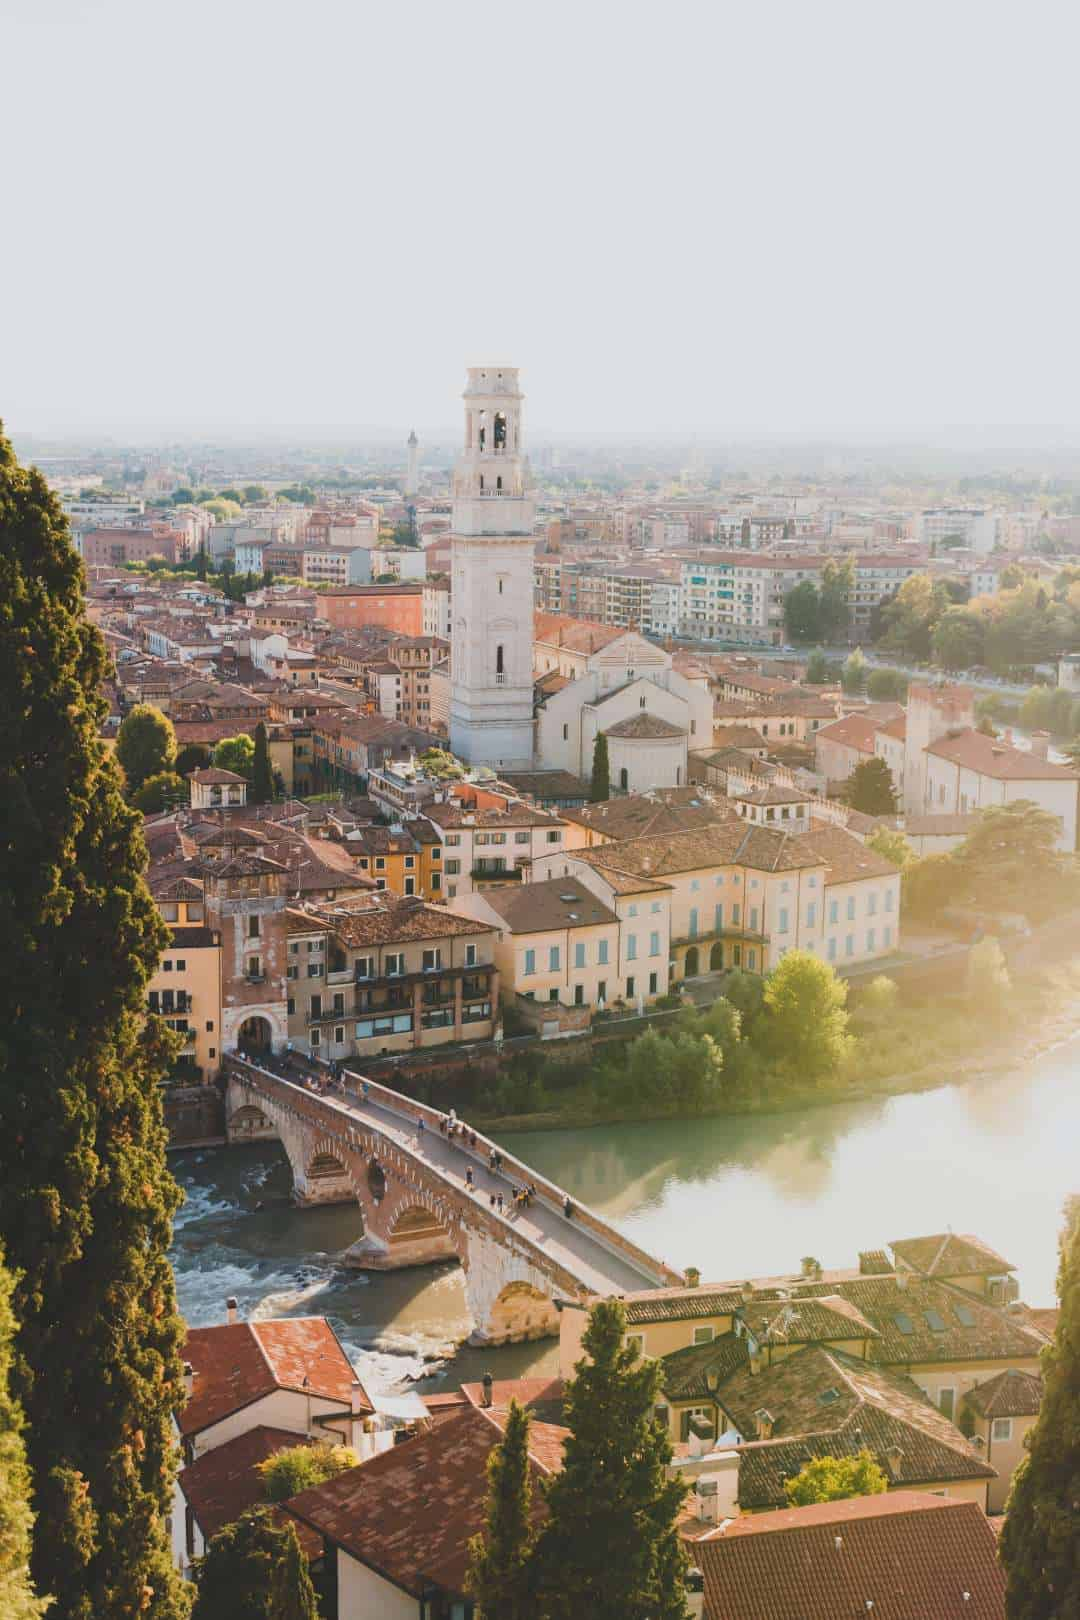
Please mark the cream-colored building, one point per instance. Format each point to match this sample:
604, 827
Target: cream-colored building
186, 987
556, 942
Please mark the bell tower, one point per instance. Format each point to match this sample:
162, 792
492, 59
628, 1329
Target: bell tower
491, 549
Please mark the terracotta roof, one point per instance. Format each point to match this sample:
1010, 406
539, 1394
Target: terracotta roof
382, 918
987, 756
409, 1512
554, 904
827, 1403
576, 635
224, 1482
1011, 1394
685, 1372
546, 784
452, 813
679, 1304
737, 737
929, 1321
735, 842
237, 1363
912, 1555
212, 776
950, 1254
807, 1321
644, 724
853, 730
641, 816
846, 859
772, 794
1042, 1317
896, 728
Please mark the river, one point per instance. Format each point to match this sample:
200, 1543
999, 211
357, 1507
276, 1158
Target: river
738, 1196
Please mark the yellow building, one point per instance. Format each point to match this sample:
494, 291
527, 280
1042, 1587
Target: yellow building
186, 989
404, 861
1000, 1414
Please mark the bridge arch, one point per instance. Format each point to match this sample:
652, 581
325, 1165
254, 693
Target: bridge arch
247, 1121
255, 1035
521, 1311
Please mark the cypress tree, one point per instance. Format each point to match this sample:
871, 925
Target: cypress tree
1041, 1536
145, 745
17, 1600
262, 777
498, 1559
610, 1549
85, 1196
600, 788
255, 1569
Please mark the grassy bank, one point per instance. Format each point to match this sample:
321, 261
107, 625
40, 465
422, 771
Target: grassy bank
911, 1045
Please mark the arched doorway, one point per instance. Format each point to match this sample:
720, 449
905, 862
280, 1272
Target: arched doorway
255, 1035
716, 958
691, 966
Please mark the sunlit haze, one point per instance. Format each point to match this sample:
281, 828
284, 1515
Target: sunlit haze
701, 219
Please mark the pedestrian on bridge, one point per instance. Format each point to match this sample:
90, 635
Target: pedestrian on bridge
420, 1126
469, 1178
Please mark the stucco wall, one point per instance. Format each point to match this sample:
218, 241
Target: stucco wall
363, 1595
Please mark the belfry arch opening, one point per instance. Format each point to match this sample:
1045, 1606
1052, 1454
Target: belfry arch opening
498, 436
499, 669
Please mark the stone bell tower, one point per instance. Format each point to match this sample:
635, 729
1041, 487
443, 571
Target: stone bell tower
491, 646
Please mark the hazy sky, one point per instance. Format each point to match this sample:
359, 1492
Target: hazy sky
686, 217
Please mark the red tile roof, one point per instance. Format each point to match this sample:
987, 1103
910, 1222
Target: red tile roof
950, 1254
1011, 1393
409, 1513
224, 1482
977, 752
853, 731
235, 1364
911, 1555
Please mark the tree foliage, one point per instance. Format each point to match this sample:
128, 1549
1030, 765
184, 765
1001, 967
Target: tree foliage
162, 791
892, 846
86, 1199
191, 758
145, 745
869, 788
17, 1600
853, 673
988, 982
500, 1574
832, 1479
805, 1015
262, 776
298, 1467
887, 686
818, 669
609, 1548
802, 613
1039, 1539
236, 754
255, 1570
600, 787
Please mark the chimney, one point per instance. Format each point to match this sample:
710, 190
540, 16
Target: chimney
488, 1382
838, 1543
694, 1587
763, 1423
693, 1276
231, 1316
1040, 745
189, 1379
894, 1456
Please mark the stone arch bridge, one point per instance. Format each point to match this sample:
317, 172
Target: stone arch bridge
365, 1147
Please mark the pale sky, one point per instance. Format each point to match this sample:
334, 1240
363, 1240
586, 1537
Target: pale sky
702, 218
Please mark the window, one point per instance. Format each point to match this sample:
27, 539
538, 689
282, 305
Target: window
630, 987
832, 950
395, 962
553, 959
530, 962
1001, 1429
849, 945
655, 906
602, 953
631, 911
888, 900
811, 914
851, 908
453, 838
579, 995
380, 866
436, 882
314, 970
654, 944
554, 837
521, 838
704, 1335
834, 911
631, 947
181, 964
735, 916
166, 967
452, 868
432, 960
754, 919
566, 733
470, 956
410, 861
871, 905
253, 927
871, 939
783, 925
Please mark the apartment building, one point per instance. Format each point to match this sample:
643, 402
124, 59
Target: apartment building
379, 973
484, 847
185, 990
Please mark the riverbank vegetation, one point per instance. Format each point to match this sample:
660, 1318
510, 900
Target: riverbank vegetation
799, 1037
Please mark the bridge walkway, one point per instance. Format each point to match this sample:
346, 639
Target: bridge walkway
584, 1245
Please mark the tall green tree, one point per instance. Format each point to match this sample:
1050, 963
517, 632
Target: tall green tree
805, 1018
262, 776
1039, 1544
163, 791
145, 745
17, 1600
255, 1569
837, 584
500, 1574
86, 1199
236, 754
609, 1548
817, 669
600, 787
802, 612
853, 673
870, 789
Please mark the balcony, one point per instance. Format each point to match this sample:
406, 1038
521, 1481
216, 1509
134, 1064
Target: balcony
498, 874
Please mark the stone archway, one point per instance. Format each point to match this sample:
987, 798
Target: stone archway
716, 958
521, 1312
376, 1180
691, 963
255, 1035
324, 1166
248, 1121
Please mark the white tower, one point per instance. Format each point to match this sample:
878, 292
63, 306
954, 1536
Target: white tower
412, 475
491, 645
